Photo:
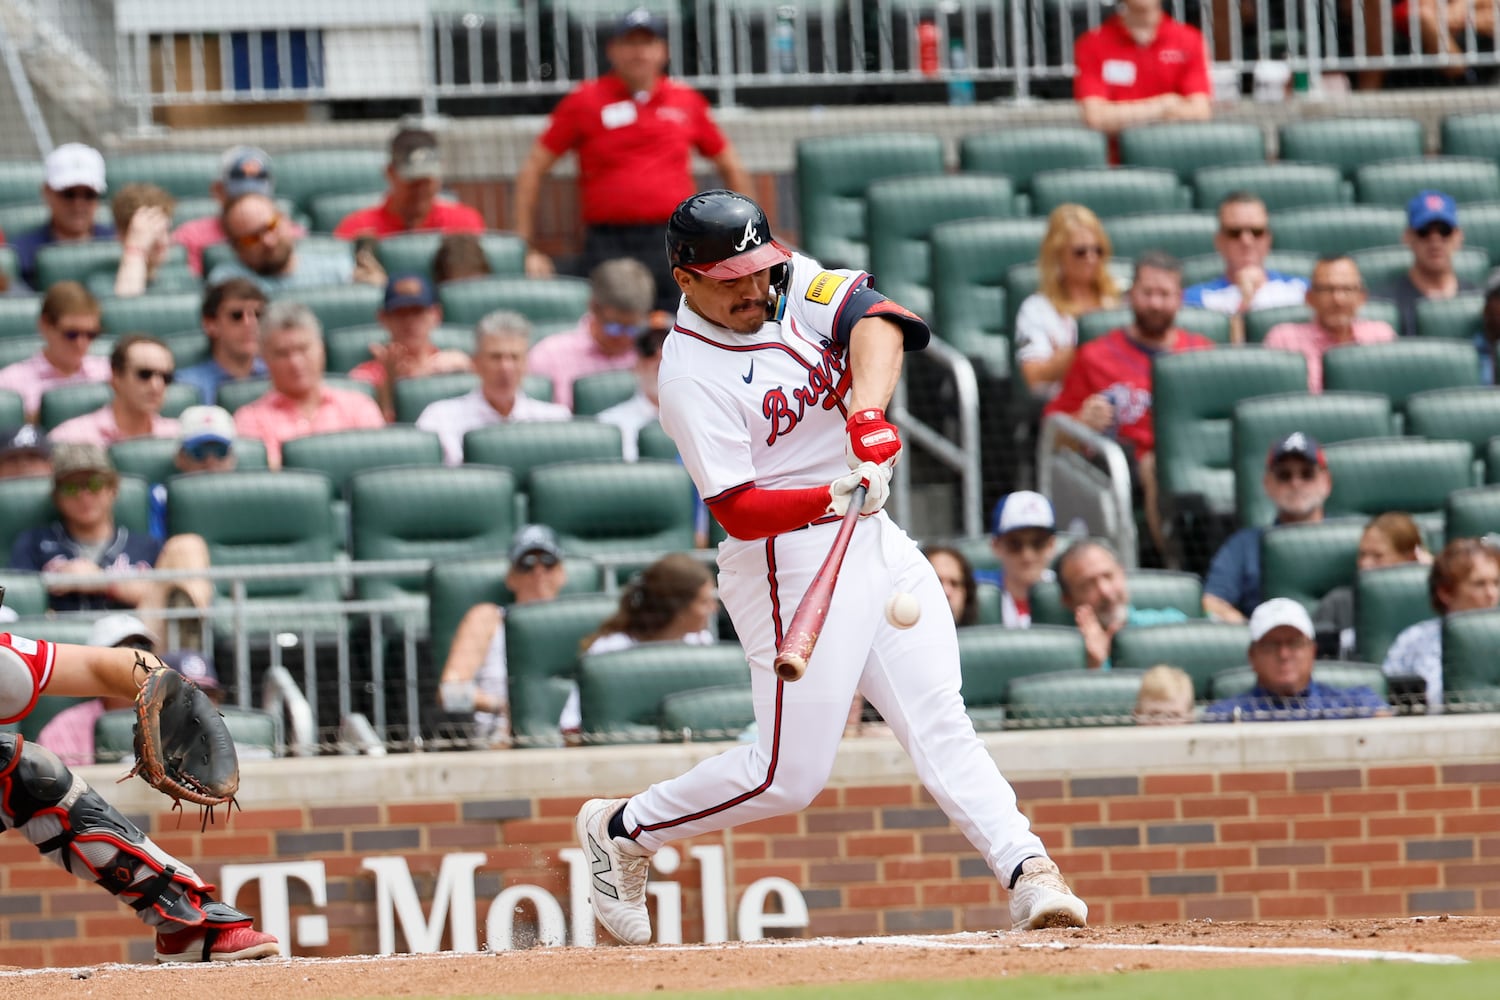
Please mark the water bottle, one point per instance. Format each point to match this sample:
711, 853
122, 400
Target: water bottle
927, 48
784, 39
960, 86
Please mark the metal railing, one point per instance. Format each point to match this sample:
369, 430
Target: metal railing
1081, 491
960, 456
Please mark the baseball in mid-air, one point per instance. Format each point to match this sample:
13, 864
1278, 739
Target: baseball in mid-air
902, 610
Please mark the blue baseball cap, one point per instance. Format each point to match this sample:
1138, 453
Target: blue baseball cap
406, 290
641, 19
1428, 207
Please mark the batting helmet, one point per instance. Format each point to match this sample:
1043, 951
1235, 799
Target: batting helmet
722, 235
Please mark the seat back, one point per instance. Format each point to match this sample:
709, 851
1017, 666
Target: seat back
1379, 266
524, 447
1471, 672
18, 321
340, 306
1188, 146
1022, 153
27, 503
1350, 143
970, 261
255, 734
833, 174
302, 175
157, 315
1386, 601
342, 454
46, 708
412, 253
550, 304
1337, 229
1182, 234
1470, 415
1401, 368
1263, 321
616, 507
542, 653
1476, 135
65, 402
1281, 186
621, 693
1196, 319
1374, 475
593, 394
12, 409
1072, 699
327, 210
1200, 649
1472, 513
1110, 191
1341, 674
1396, 182
21, 181
1481, 223
1306, 561
152, 459
1457, 318
992, 657
653, 442
1149, 588
711, 713
413, 395
24, 593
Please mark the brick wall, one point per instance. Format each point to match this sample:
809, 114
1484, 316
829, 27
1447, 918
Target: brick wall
1164, 833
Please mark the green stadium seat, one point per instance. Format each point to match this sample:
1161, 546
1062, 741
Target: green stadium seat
1395, 182
18, 319
17, 349
1211, 324
1194, 395
303, 175
1149, 588
989, 604
1401, 368
328, 210
412, 253
27, 503
68, 401
156, 314
1350, 143
1306, 561
233, 395
1470, 415
551, 304
621, 693
653, 442
1022, 153
1281, 186
1110, 192
151, 459
421, 512
833, 174
1379, 266
192, 209
1261, 321
1342, 674
10, 265
1186, 146
1472, 513
525, 447
1471, 672
1481, 226
173, 278
970, 261
350, 346
1476, 135
76, 261
593, 394
24, 593
542, 652
712, 713
21, 181
340, 306
413, 395
1182, 234
1072, 699
180, 173
342, 454
1374, 475
1260, 422
901, 213
1387, 600
616, 507
12, 409
1199, 648
1457, 318
1336, 229
73, 629
47, 706
992, 657
251, 729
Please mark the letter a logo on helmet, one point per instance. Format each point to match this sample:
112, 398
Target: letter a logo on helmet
751, 237
722, 235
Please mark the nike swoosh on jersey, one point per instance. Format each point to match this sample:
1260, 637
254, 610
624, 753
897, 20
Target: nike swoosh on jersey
749, 375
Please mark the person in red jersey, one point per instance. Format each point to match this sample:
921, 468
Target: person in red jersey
1141, 66
412, 203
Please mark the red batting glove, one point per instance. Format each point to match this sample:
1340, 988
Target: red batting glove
871, 438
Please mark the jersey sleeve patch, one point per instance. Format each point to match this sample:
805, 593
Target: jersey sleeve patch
824, 287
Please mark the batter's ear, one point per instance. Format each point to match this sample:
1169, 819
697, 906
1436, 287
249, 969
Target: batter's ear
683, 277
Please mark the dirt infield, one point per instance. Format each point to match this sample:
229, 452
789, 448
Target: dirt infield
603, 971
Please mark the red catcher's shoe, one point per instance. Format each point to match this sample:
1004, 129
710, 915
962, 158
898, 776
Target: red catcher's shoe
206, 943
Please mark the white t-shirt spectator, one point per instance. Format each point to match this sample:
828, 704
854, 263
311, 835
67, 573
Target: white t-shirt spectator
572, 715
1042, 331
451, 419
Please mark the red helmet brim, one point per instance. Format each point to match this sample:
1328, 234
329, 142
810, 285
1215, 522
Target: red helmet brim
759, 259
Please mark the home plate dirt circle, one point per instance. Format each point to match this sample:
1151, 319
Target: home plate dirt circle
605, 971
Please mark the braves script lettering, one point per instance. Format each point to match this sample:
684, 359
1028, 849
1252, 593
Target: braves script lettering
827, 382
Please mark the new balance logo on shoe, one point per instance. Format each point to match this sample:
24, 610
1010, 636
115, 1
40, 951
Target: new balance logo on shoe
599, 866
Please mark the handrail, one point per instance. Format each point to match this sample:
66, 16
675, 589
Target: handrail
962, 458
1057, 425
283, 697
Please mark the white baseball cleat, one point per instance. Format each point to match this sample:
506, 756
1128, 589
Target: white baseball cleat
1042, 899
618, 867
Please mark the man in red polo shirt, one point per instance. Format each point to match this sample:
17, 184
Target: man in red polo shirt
1140, 66
415, 175
634, 130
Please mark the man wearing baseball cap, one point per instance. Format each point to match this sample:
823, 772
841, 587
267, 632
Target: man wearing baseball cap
1433, 235
1024, 539
414, 176
205, 443
72, 185
1282, 651
1297, 483
242, 170
410, 313
24, 451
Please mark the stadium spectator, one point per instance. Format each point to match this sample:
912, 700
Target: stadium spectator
620, 297
85, 542
1108, 386
24, 451
500, 342
141, 368
266, 252
1297, 483
1336, 295
1166, 697
1243, 241
634, 130
459, 256
73, 183
1465, 577
475, 679
640, 409
1141, 66
1024, 539
230, 318
1389, 539
958, 580
1433, 235
298, 402
1282, 651
69, 324
243, 170
1443, 27
1489, 329
205, 443
1073, 265
412, 203
410, 313
1095, 589
143, 220
70, 733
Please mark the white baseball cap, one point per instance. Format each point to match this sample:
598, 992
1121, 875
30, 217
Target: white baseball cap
1275, 613
205, 423
75, 165
111, 630
1023, 509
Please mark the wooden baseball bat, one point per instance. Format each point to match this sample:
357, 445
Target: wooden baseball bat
807, 622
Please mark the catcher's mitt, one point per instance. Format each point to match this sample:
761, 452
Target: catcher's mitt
182, 745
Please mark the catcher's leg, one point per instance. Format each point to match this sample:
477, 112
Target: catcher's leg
72, 826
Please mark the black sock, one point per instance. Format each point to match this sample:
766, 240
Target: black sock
1017, 873
616, 826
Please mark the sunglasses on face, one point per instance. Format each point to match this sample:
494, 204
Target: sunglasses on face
622, 329
249, 240
532, 560
203, 451
1285, 474
1237, 232
78, 194
1016, 544
93, 484
1440, 228
1083, 253
238, 315
147, 374
89, 335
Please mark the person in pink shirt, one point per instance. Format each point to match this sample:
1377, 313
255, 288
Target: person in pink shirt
621, 294
141, 368
409, 314
298, 402
415, 175
1336, 295
68, 325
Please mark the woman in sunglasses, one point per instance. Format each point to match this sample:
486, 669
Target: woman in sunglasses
69, 324
1075, 279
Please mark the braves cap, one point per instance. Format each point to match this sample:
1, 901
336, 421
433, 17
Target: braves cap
415, 155
1275, 613
205, 423
1427, 207
406, 290
114, 630
1297, 445
194, 666
23, 440
75, 165
1023, 509
534, 538
246, 170
641, 19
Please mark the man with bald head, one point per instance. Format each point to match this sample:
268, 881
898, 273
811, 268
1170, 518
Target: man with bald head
268, 253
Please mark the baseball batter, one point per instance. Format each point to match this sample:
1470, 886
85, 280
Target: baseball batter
773, 385
72, 825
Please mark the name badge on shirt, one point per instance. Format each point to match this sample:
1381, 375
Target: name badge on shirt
1119, 72
618, 114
